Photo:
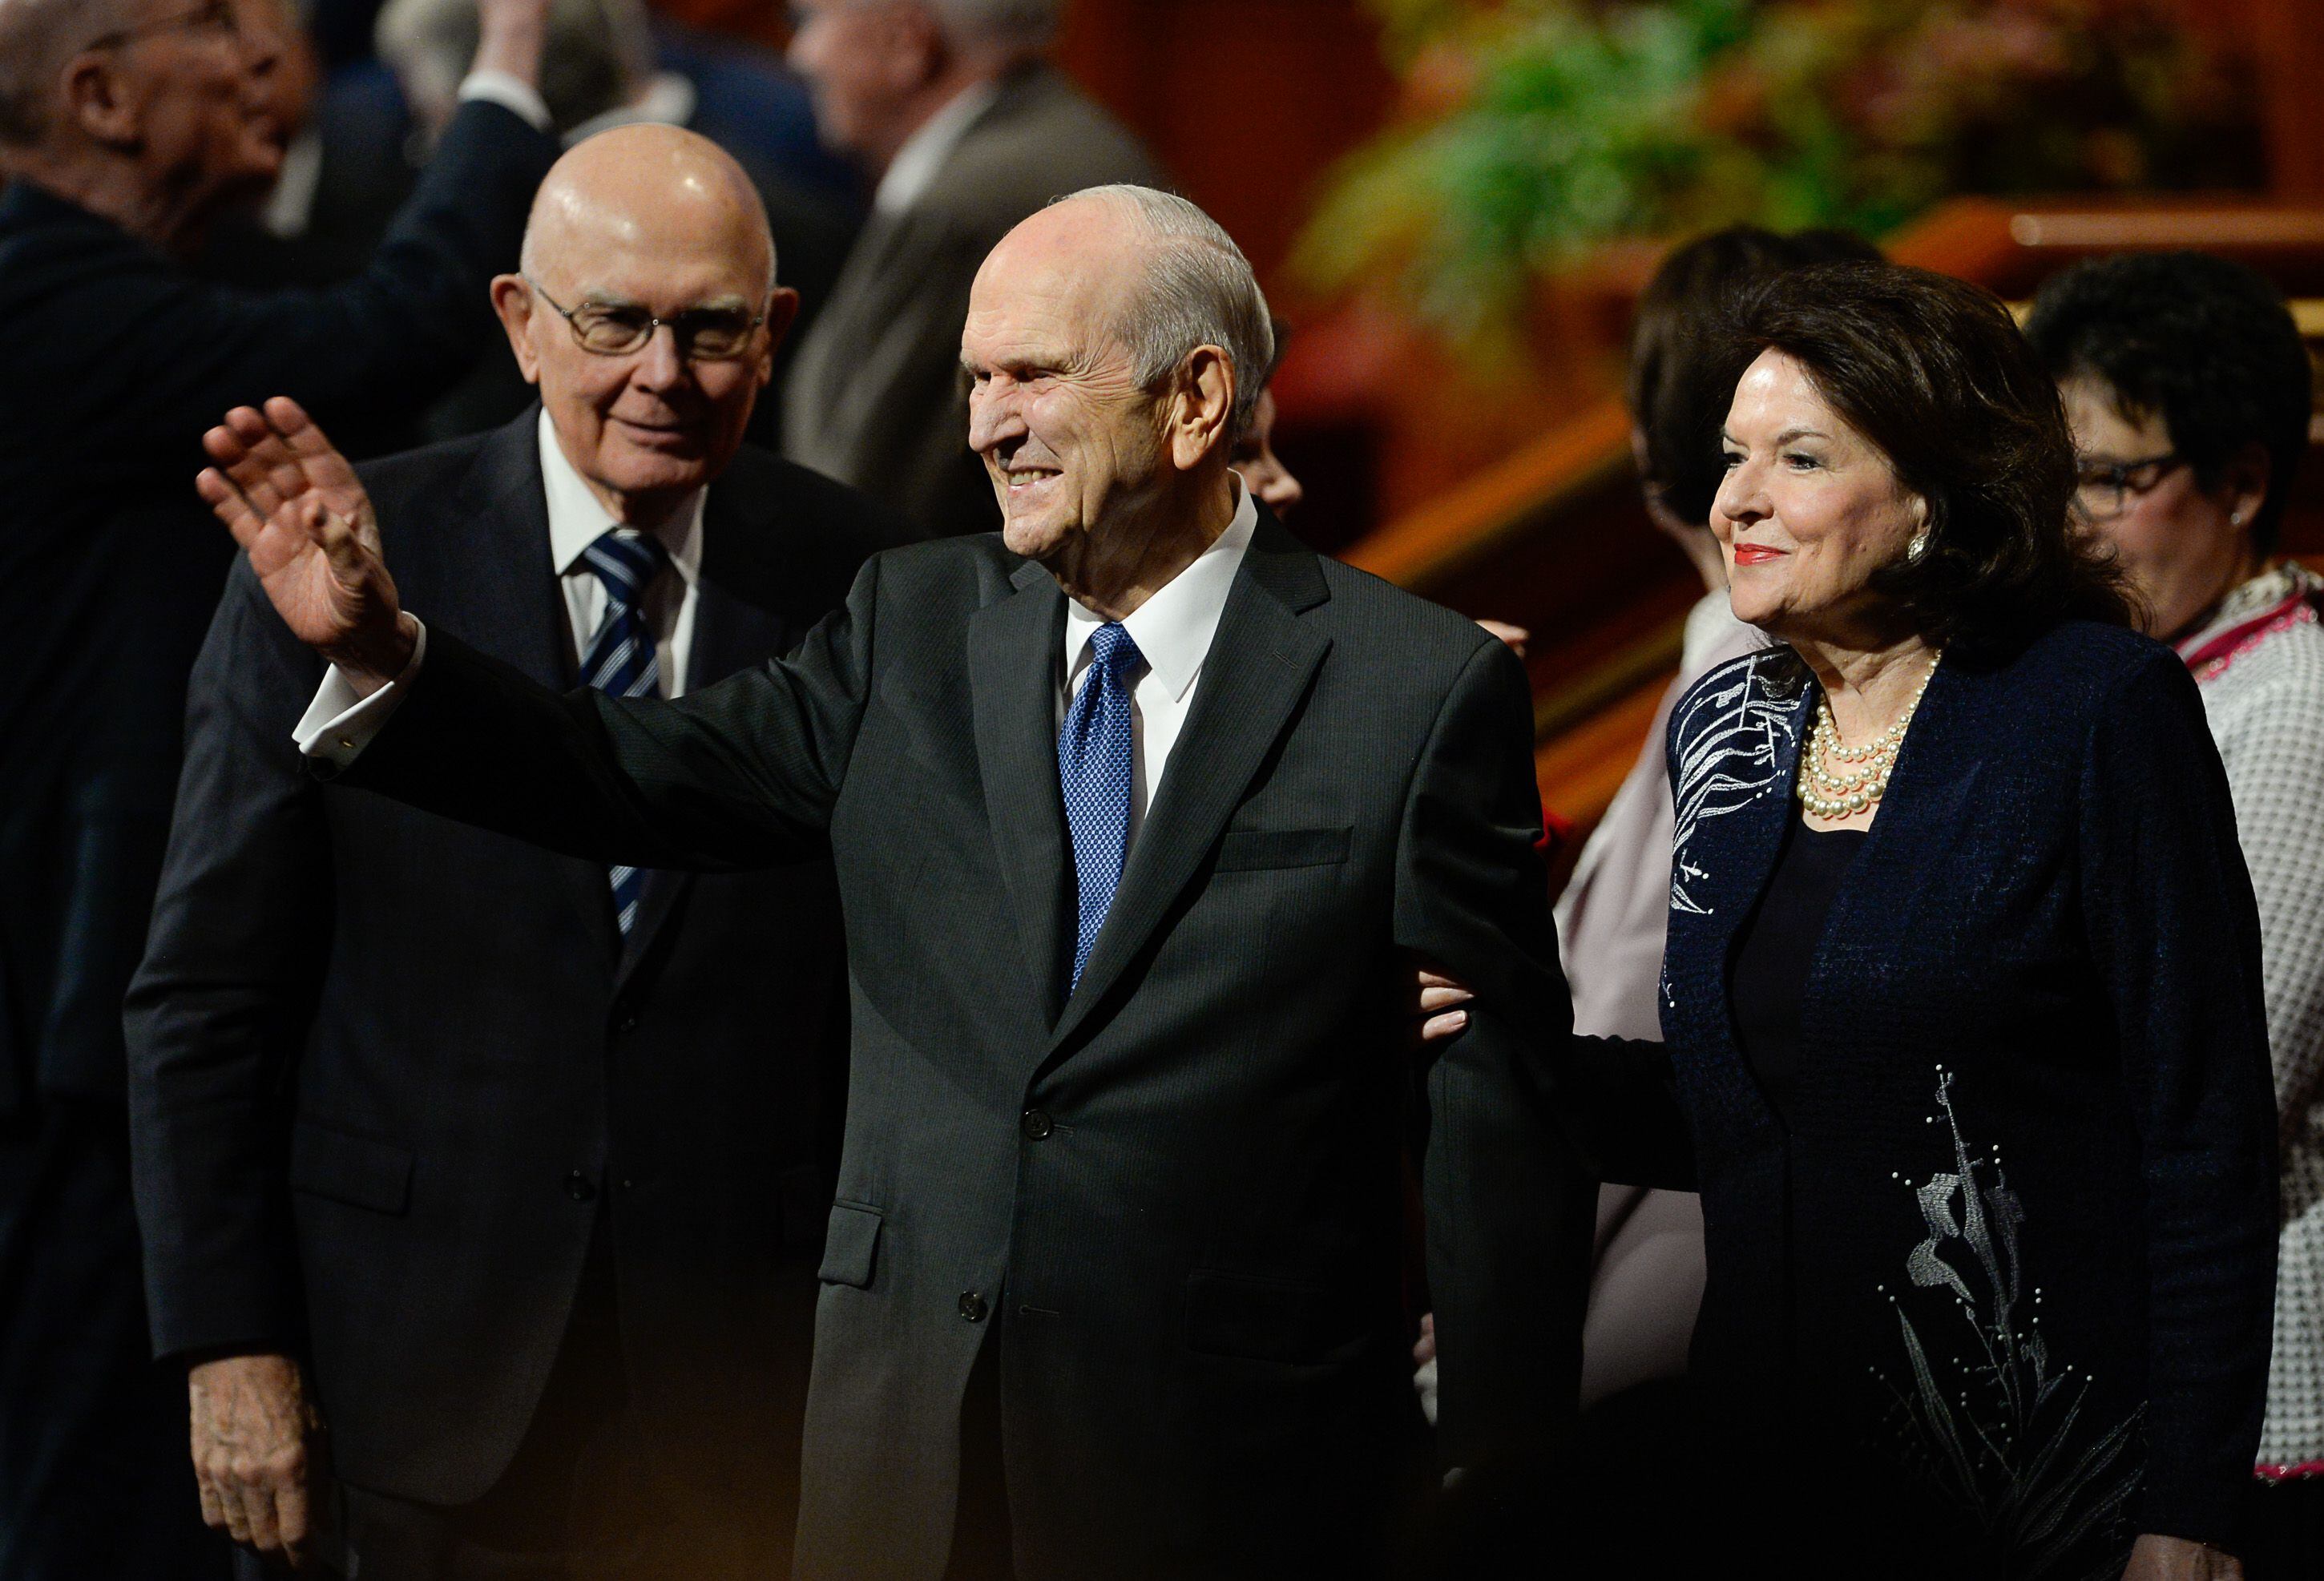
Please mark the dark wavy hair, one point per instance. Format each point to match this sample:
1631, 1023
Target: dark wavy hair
2207, 344
1673, 393
1933, 372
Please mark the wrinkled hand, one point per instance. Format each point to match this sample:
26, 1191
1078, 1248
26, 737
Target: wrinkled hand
295, 504
1434, 999
1424, 1361
255, 1453
2174, 1558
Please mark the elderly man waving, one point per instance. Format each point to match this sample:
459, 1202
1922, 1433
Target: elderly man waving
1132, 808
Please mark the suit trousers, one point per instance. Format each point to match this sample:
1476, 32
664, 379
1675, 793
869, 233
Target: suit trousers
96, 1480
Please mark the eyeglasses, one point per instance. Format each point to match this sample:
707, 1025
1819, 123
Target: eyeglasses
710, 335
2105, 489
218, 16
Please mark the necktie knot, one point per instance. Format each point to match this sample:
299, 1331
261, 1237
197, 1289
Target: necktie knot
1112, 649
626, 561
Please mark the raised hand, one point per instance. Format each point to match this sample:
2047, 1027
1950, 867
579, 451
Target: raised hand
294, 503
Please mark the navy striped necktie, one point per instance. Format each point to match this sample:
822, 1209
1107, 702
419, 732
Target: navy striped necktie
622, 658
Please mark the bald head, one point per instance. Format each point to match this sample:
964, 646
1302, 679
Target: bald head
37, 38
644, 191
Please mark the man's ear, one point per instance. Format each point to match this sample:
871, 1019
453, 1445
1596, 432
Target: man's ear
100, 102
513, 300
1203, 410
782, 312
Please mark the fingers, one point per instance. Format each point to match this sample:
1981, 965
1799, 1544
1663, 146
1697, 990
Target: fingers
294, 1523
1443, 999
1437, 1028
308, 444
230, 505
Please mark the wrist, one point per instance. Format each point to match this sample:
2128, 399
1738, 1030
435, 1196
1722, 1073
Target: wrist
376, 660
512, 48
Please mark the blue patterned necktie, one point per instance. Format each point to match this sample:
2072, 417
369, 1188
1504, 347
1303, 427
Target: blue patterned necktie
621, 659
1095, 751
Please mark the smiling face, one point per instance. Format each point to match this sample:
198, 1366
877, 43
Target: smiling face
1069, 438
1808, 511
2181, 547
645, 220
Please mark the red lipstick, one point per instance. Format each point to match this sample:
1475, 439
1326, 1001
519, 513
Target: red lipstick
1757, 554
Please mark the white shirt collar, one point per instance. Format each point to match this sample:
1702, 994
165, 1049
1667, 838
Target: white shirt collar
577, 519
923, 152
1172, 628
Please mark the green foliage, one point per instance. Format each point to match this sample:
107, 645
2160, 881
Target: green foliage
1560, 126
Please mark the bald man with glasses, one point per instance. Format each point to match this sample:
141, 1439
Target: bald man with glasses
535, 1236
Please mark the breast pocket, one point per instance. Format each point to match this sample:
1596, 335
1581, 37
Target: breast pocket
1247, 850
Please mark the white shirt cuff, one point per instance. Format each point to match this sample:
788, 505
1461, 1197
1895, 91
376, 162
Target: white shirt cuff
342, 720
512, 94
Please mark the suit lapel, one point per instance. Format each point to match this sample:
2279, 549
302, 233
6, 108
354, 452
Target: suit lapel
730, 634
499, 584
1257, 671
1012, 658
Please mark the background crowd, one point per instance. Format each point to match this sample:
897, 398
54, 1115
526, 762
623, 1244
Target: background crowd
384, 1195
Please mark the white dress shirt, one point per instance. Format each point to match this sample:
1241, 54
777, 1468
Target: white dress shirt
923, 152
1173, 630
342, 720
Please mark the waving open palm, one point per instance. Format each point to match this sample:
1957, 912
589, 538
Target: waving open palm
294, 503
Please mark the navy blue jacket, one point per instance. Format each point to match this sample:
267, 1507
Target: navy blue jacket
2013, 1241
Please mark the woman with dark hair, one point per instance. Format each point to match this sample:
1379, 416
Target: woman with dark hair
1965, 1048
2190, 393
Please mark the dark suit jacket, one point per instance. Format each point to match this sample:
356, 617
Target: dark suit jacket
1172, 1201
874, 396
2033, 1093
388, 1070
110, 566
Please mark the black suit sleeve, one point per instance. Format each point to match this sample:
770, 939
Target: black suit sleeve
179, 350
220, 1005
740, 774
2175, 934
1508, 1211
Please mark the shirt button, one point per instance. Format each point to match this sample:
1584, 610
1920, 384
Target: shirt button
625, 1019
1035, 1124
972, 1308
579, 1187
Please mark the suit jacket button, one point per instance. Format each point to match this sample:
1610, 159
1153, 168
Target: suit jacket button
579, 1187
1035, 1124
973, 1307
625, 1019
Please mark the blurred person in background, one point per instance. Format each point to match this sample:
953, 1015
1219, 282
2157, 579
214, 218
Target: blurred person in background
126, 127
951, 106
537, 1240
2189, 392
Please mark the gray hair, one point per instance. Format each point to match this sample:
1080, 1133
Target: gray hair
596, 53
1200, 291
1026, 24
38, 38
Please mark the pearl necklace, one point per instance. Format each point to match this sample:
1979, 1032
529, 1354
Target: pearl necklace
1861, 778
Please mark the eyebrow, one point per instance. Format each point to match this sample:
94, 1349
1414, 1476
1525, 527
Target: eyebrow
1788, 434
730, 302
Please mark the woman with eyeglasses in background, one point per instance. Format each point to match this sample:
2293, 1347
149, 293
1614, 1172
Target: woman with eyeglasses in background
2190, 395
